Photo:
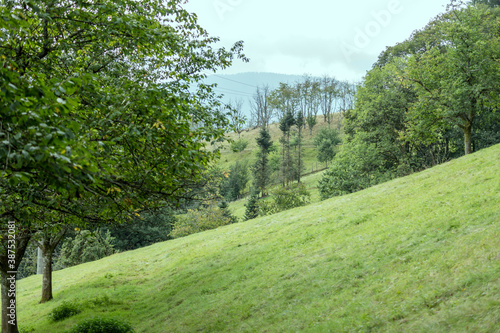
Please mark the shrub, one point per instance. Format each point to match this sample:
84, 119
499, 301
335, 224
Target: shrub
291, 197
63, 311
267, 207
356, 167
200, 220
239, 145
284, 198
102, 325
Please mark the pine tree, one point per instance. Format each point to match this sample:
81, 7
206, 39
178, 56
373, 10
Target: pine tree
261, 169
252, 206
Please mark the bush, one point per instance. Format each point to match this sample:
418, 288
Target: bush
291, 197
356, 167
102, 325
63, 311
199, 220
239, 145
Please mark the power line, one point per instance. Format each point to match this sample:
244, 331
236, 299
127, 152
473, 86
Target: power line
225, 78
234, 92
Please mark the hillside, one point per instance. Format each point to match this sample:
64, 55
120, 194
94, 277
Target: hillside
309, 153
417, 254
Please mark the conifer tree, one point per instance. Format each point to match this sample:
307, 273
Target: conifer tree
261, 168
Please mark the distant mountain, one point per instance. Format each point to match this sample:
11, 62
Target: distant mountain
243, 86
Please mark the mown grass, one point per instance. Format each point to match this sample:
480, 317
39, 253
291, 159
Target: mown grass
417, 254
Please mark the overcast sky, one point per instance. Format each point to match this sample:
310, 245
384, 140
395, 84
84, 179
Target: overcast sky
317, 37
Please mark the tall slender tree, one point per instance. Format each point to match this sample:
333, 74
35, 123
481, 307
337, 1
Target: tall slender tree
286, 124
261, 169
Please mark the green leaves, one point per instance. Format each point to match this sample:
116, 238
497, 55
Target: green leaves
455, 79
96, 95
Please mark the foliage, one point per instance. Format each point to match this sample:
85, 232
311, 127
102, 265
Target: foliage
64, 310
236, 182
285, 126
151, 227
261, 170
28, 265
199, 220
226, 212
103, 112
356, 167
86, 246
284, 198
102, 325
457, 80
107, 86
239, 145
252, 207
326, 141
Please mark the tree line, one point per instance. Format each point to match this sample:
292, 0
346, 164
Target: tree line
426, 100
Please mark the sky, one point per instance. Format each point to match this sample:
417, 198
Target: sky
317, 37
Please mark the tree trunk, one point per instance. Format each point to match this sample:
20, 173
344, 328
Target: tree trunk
9, 315
47, 276
48, 244
468, 138
39, 262
300, 146
8, 276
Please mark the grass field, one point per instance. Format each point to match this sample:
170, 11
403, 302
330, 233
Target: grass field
417, 254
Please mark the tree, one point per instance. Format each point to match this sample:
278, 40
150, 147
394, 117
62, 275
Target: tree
97, 116
237, 117
237, 180
309, 100
283, 100
261, 110
261, 171
86, 246
252, 207
346, 95
328, 97
456, 81
47, 240
491, 3
300, 125
285, 125
152, 227
326, 141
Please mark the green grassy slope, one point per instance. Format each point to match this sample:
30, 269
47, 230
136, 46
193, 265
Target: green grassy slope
417, 254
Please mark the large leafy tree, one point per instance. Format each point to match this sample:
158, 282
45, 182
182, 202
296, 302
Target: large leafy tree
457, 80
99, 119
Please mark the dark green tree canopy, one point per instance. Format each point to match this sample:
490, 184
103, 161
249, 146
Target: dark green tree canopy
96, 103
